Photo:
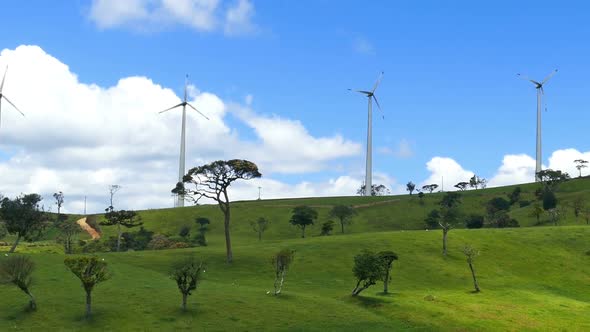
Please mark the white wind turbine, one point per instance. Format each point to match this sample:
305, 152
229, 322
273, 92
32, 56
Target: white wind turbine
184, 104
540, 92
369, 161
5, 98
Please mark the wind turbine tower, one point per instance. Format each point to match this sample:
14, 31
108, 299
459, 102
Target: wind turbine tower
5, 98
540, 93
181, 164
369, 161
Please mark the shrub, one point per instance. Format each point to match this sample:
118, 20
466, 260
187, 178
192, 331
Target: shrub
327, 227
158, 242
474, 221
200, 239
178, 245
187, 275
91, 271
17, 270
524, 203
368, 269
549, 200
184, 231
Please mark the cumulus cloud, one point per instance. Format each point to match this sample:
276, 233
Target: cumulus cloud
202, 15
447, 170
514, 169
80, 138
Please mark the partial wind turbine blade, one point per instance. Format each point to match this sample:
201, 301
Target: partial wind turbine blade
378, 81
16, 108
362, 91
185, 86
526, 78
376, 102
549, 76
168, 109
197, 111
3, 78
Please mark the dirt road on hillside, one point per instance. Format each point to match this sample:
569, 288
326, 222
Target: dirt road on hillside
93, 233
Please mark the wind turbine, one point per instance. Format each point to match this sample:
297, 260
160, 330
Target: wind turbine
184, 104
5, 98
369, 162
540, 92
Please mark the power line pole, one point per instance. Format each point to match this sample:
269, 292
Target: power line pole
259, 188
84, 205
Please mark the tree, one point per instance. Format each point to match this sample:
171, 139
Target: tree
556, 214
185, 231
462, 186
410, 186
3, 230
91, 271
586, 214
471, 253
260, 226
203, 228
376, 190
67, 231
281, 261
212, 181
120, 218
59, 201
17, 270
302, 217
501, 219
497, 204
387, 259
581, 163
578, 206
327, 228
344, 214
432, 219
514, 196
23, 217
368, 269
537, 212
477, 182
549, 200
474, 221
421, 196
187, 274
551, 179
449, 213
430, 187
113, 188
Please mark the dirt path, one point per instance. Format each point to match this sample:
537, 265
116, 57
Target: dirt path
93, 233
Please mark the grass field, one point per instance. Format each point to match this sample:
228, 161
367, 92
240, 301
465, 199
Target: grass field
532, 278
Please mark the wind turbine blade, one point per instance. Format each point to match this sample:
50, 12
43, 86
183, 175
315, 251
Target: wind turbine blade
16, 108
378, 81
549, 76
3, 78
185, 86
376, 102
168, 109
197, 111
526, 78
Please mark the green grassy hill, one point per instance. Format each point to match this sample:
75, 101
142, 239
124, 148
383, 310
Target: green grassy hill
532, 278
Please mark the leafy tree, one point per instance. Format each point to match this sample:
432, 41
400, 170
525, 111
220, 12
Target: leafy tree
91, 271
59, 201
187, 274
185, 231
202, 222
549, 200
410, 186
474, 221
578, 206
537, 212
281, 261
23, 217
556, 214
387, 259
514, 196
477, 182
260, 226
430, 187
462, 186
450, 214
376, 190
501, 219
497, 204
432, 219
67, 232
471, 253
17, 270
120, 218
421, 196
302, 217
551, 179
203, 229
581, 163
327, 228
368, 269
344, 214
212, 181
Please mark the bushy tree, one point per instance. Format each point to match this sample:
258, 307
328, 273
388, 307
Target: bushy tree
187, 274
514, 196
432, 219
537, 212
203, 223
462, 186
430, 187
185, 231
551, 179
410, 186
344, 214
477, 182
327, 228
376, 190
450, 214
387, 259
474, 221
91, 271
368, 269
18, 270
421, 196
67, 231
23, 217
549, 200
260, 226
302, 217
212, 181
497, 204
470, 254
281, 261
120, 218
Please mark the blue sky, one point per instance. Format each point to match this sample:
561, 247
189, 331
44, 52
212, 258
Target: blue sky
450, 87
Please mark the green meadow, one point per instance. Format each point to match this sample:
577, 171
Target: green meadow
535, 277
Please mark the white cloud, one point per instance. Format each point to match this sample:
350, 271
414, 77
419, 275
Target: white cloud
514, 169
563, 160
201, 15
79, 138
362, 46
447, 170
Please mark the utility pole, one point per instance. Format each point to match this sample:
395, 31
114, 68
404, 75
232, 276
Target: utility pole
259, 188
84, 205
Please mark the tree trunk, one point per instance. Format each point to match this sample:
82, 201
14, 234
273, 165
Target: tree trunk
342, 225
118, 236
386, 283
88, 304
303, 231
445, 231
32, 302
227, 237
184, 296
279, 282
474, 279
259, 236
14, 245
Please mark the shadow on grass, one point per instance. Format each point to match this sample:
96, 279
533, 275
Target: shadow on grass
283, 296
368, 302
25, 313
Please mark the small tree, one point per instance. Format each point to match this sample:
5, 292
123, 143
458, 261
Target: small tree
578, 206
471, 253
376, 190
91, 271
302, 217
23, 217
187, 274
421, 196
514, 196
430, 187
537, 212
410, 186
260, 226
556, 214
368, 269
344, 214
281, 262
120, 218
67, 232
449, 213
59, 201
327, 228
387, 259
549, 200
432, 219
203, 229
580, 163
552, 179
474, 221
462, 186
18, 270
185, 231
